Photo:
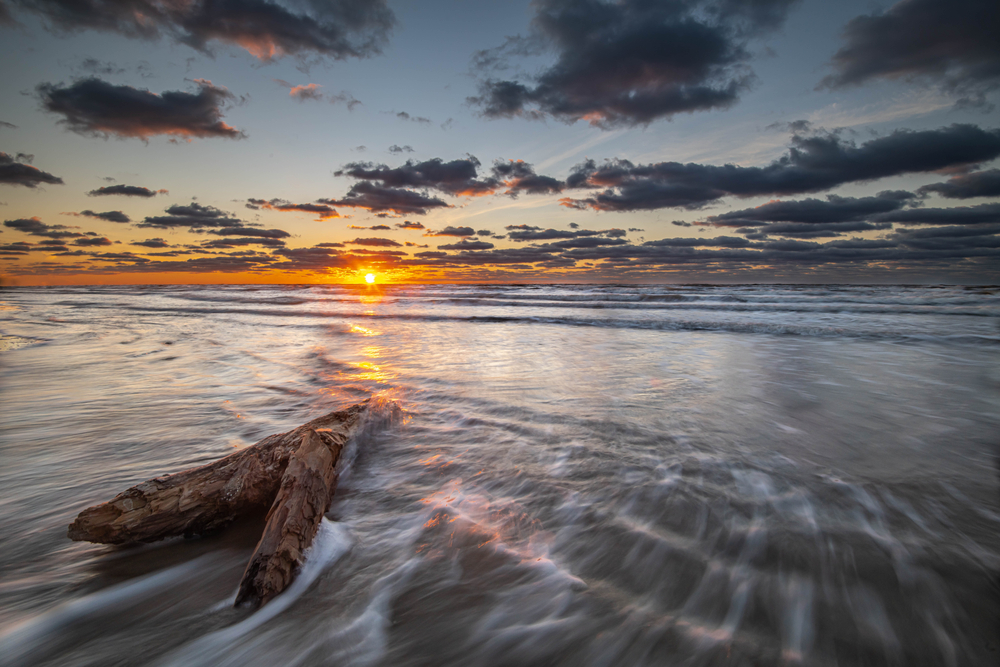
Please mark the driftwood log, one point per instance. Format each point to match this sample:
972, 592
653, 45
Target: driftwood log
293, 474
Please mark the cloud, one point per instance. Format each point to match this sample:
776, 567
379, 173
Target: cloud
528, 233
338, 29
380, 228
452, 231
345, 97
400, 149
240, 242
93, 242
466, 244
109, 216
812, 164
835, 209
809, 230
95, 66
152, 243
457, 177
956, 215
35, 227
322, 211
966, 186
377, 198
247, 231
309, 91
23, 248
93, 107
952, 43
126, 190
14, 171
519, 176
193, 215
382, 243
630, 62
402, 115
584, 242
406, 224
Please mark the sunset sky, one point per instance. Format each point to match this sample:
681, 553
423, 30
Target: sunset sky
291, 141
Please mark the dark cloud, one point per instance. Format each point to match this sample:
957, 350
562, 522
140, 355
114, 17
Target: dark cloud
14, 171
349, 101
484, 232
98, 67
629, 62
93, 107
247, 231
323, 258
812, 164
35, 227
322, 211
377, 198
23, 248
528, 233
954, 43
795, 126
402, 115
267, 29
585, 242
466, 244
376, 242
957, 215
193, 215
126, 190
109, 216
152, 243
457, 177
452, 231
406, 224
240, 242
318, 258
966, 186
93, 242
519, 176
400, 149
546, 234
834, 209
810, 230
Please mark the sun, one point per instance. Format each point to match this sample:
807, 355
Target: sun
370, 278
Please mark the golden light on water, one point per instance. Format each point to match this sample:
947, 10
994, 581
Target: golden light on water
370, 278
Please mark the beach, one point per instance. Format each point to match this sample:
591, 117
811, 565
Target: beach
549, 474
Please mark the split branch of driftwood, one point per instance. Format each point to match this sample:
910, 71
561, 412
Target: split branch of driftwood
293, 474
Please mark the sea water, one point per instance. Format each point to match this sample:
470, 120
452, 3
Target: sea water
550, 475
